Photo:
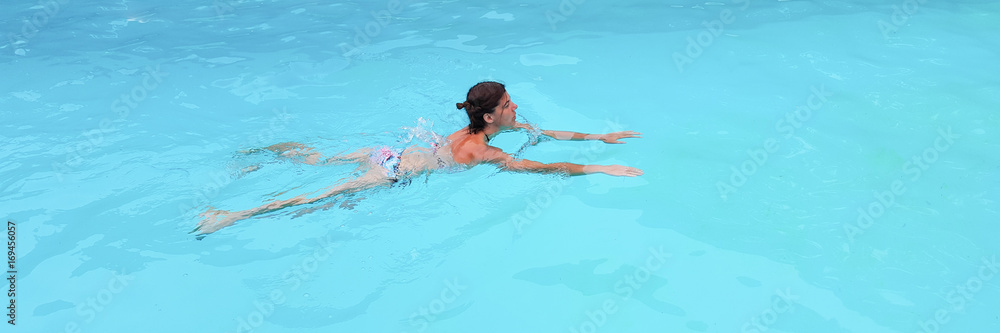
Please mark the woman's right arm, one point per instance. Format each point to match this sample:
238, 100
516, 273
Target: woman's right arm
496, 156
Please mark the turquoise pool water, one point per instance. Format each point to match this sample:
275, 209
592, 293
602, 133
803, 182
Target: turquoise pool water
810, 166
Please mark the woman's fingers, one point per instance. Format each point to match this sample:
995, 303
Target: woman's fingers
624, 171
615, 137
632, 134
626, 134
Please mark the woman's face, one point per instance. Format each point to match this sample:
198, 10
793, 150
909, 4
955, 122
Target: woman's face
506, 112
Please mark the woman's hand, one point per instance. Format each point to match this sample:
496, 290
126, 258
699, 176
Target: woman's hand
523, 126
621, 170
614, 137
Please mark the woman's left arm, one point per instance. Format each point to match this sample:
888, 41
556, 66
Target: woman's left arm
574, 136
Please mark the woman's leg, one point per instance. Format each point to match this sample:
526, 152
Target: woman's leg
297, 152
279, 148
308, 155
214, 219
360, 156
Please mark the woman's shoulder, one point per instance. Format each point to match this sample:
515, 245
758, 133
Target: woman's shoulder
462, 151
459, 134
467, 150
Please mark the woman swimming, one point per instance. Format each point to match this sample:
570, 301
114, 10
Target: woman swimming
490, 112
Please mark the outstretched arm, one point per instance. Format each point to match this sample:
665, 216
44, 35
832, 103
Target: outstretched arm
496, 156
574, 136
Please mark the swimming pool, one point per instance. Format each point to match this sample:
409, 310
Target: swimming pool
810, 166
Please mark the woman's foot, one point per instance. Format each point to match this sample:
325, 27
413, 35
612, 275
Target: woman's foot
213, 220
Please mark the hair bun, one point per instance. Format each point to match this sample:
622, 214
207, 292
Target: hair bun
459, 105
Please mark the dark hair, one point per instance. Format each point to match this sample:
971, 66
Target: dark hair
483, 98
